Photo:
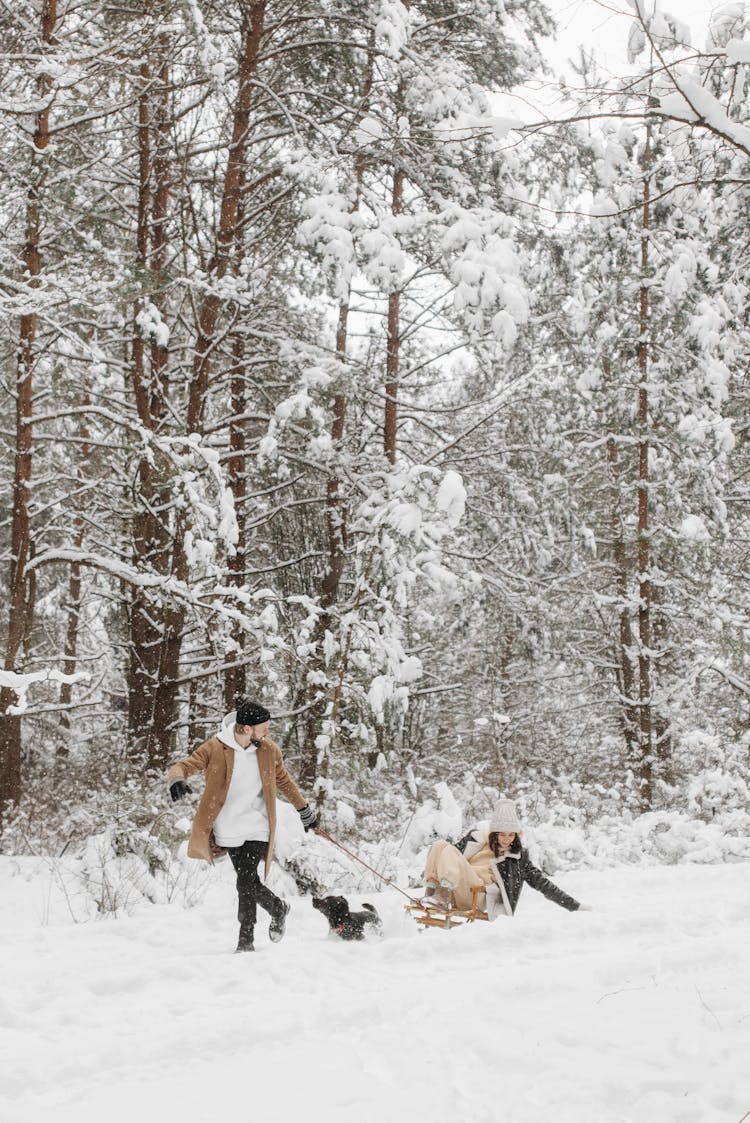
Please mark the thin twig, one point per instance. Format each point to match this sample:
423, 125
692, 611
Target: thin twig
708, 1008
610, 993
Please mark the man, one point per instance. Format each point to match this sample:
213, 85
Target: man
237, 811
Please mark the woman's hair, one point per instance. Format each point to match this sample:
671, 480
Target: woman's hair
494, 842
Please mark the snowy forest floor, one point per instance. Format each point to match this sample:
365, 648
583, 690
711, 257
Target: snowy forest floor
637, 1011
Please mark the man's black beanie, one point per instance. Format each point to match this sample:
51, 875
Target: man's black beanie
252, 713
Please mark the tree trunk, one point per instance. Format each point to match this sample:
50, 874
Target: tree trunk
152, 539
393, 342
74, 608
18, 602
161, 742
661, 725
227, 236
626, 656
227, 231
336, 527
645, 657
393, 339
71, 640
235, 677
161, 739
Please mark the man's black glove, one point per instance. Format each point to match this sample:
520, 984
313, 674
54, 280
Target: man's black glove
309, 817
178, 789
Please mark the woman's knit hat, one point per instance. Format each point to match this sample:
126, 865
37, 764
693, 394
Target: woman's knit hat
252, 713
504, 817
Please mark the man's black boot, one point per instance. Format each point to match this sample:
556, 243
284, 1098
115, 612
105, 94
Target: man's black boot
245, 942
278, 924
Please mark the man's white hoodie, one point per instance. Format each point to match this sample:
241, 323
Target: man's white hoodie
243, 818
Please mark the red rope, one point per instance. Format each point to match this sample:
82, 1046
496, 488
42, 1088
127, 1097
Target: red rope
382, 877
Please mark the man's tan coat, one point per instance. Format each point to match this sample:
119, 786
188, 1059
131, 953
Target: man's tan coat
217, 761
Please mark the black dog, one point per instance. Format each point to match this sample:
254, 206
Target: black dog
345, 923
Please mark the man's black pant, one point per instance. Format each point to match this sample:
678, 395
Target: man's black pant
251, 891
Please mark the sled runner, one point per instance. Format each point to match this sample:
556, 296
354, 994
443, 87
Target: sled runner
431, 917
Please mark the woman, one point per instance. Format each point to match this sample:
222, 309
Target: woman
493, 859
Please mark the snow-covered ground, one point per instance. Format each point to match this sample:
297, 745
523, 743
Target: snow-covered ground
637, 1011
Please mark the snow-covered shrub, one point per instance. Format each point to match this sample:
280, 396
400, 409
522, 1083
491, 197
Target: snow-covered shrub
434, 818
715, 792
116, 880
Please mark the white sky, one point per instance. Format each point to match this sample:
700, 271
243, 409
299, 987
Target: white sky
603, 26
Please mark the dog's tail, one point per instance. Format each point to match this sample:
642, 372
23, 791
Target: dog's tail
373, 917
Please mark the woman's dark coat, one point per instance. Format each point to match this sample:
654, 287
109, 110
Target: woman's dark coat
518, 868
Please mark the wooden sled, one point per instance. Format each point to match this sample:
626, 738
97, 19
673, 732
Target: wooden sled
431, 917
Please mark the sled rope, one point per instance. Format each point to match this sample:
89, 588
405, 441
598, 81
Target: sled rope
387, 880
